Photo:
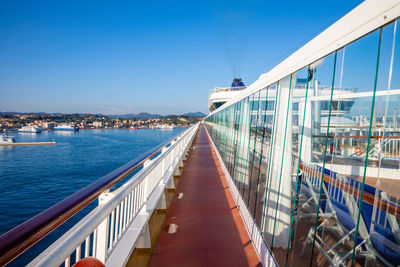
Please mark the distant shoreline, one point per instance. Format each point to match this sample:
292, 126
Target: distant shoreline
86, 129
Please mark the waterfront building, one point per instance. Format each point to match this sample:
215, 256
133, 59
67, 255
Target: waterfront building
98, 124
49, 125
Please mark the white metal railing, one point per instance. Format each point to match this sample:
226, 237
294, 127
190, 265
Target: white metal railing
101, 233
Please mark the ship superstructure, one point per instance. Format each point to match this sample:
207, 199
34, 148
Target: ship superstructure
5, 139
220, 95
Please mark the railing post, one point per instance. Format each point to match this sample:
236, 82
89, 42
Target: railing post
177, 156
146, 163
163, 170
102, 230
168, 178
146, 182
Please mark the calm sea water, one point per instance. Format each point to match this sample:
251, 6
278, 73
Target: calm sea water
33, 178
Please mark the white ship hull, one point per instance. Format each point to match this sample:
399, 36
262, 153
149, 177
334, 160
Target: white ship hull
30, 129
66, 128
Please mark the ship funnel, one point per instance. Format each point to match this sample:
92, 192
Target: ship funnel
237, 84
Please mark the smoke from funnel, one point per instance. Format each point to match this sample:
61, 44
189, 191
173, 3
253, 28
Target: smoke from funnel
231, 24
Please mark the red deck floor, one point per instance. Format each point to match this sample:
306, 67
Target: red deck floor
210, 231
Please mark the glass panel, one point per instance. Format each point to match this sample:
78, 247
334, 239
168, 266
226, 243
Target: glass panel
254, 146
242, 138
268, 97
249, 146
347, 147
309, 134
259, 131
316, 157
244, 146
235, 138
281, 181
276, 221
230, 141
381, 196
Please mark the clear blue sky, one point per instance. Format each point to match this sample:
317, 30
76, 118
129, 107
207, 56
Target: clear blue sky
115, 57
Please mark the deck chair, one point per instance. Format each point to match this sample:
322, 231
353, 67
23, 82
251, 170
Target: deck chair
342, 192
385, 232
308, 193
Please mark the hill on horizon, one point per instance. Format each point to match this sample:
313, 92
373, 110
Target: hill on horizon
195, 114
146, 115
140, 115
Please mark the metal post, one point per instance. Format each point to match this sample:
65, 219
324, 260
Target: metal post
102, 230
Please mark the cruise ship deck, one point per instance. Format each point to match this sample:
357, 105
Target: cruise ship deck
203, 225
301, 168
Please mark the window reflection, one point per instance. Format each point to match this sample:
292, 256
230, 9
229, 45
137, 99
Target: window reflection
316, 157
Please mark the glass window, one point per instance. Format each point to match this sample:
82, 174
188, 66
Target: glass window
316, 156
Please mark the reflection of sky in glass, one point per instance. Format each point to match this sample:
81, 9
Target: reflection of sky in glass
386, 57
360, 63
392, 103
302, 74
324, 73
396, 63
362, 106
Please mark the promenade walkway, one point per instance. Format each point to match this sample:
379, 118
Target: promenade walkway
203, 226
